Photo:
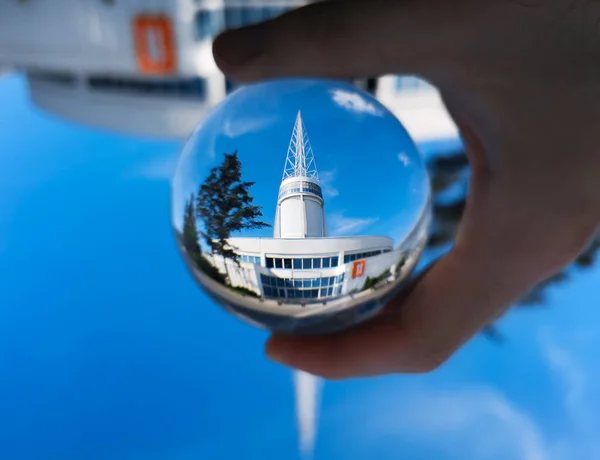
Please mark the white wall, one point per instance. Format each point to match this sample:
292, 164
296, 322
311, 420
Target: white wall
139, 115
309, 246
374, 267
248, 275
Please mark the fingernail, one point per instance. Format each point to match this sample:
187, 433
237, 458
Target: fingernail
239, 46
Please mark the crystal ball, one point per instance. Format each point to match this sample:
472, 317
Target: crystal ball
301, 205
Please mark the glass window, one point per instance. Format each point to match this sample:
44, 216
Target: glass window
246, 16
60, 78
282, 293
314, 293
324, 281
306, 264
232, 17
280, 282
334, 261
326, 262
297, 283
278, 263
332, 280
230, 86
287, 263
297, 264
306, 283
329, 292
316, 263
207, 24
156, 87
323, 292
346, 259
316, 282
269, 261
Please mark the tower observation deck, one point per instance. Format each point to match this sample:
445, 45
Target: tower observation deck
300, 207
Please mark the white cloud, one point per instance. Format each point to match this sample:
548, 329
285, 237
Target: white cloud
403, 157
475, 423
355, 102
326, 178
482, 423
578, 400
342, 225
245, 125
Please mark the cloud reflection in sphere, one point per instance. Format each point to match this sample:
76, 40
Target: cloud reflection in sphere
301, 206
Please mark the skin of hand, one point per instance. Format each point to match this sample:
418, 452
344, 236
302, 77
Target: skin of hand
521, 79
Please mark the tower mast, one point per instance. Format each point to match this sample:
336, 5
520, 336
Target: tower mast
300, 160
300, 208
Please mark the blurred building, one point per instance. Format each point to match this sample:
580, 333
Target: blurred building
145, 67
302, 261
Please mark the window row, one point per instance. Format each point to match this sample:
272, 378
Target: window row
300, 283
303, 186
209, 23
251, 259
60, 78
183, 87
301, 190
283, 293
359, 256
302, 263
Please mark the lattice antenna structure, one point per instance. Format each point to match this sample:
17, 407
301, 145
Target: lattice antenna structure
300, 160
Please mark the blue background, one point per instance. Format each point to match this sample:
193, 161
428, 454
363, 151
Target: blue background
109, 350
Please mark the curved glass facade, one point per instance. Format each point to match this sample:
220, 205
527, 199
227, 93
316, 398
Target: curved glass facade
302, 288
300, 187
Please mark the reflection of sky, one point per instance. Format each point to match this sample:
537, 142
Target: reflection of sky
109, 350
372, 178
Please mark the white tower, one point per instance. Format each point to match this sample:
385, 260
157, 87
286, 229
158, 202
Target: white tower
300, 212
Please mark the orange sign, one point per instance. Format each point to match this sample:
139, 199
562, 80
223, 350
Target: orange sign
154, 44
358, 268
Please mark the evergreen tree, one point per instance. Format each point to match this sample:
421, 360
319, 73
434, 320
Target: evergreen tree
191, 237
225, 206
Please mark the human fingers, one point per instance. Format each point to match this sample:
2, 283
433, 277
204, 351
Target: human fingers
494, 261
344, 39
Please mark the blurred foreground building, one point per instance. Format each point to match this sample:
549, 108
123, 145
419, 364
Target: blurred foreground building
146, 68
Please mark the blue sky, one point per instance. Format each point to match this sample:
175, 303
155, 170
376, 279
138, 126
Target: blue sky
108, 349
372, 176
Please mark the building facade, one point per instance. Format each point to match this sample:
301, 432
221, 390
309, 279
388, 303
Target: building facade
301, 263
146, 68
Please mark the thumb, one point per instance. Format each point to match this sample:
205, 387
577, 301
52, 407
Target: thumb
342, 39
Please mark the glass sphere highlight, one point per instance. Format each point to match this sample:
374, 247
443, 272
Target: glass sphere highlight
301, 206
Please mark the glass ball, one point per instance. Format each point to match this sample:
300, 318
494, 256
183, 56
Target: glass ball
301, 205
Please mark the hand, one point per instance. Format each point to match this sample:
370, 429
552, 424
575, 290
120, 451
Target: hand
522, 81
